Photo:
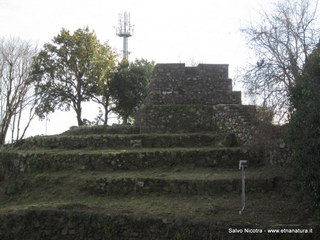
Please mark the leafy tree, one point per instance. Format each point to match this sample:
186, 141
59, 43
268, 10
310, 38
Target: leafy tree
281, 43
103, 70
16, 87
304, 126
70, 70
128, 87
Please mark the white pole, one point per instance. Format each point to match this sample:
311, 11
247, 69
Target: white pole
243, 190
242, 165
125, 48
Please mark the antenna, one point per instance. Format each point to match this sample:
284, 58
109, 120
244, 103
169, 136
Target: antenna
125, 30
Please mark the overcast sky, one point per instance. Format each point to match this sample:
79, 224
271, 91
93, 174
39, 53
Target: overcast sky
166, 31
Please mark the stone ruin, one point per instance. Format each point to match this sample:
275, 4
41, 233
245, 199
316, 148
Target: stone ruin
102, 163
195, 99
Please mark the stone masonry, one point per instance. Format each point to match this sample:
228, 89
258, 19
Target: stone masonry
194, 99
206, 84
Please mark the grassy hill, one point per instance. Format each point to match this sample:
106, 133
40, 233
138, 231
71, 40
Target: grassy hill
115, 183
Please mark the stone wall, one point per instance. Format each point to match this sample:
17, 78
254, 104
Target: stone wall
135, 186
176, 118
15, 163
84, 225
205, 84
118, 141
101, 129
227, 119
239, 120
195, 99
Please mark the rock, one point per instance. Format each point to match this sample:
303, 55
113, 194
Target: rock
140, 184
64, 231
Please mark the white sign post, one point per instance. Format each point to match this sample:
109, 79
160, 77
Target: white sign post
243, 164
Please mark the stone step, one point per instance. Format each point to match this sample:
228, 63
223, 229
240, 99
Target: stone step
75, 223
122, 141
154, 217
101, 129
190, 181
54, 205
125, 186
15, 162
185, 181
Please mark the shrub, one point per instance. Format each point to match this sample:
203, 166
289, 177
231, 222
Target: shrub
304, 127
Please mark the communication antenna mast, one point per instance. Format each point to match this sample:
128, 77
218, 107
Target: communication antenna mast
125, 30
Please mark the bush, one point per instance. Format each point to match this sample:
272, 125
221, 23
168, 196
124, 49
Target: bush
267, 140
304, 127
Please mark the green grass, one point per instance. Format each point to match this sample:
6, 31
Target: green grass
115, 151
125, 135
221, 208
177, 172
62, 190
135, 135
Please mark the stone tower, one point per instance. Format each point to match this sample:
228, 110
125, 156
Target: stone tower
193, 99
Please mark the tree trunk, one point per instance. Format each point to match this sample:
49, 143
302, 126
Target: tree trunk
125, 120
2, 139
80, 122
13, 127
79, 113
106, 113
105, 103
5, 126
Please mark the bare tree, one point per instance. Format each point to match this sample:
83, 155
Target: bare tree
281, 42
15, 85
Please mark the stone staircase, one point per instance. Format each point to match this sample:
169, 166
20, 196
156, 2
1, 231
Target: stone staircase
126, 185
122, 152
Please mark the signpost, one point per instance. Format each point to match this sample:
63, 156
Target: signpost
242, 165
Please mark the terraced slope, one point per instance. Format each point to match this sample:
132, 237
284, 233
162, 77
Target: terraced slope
105, 185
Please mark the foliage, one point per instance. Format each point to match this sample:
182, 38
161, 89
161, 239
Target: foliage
16, 87
304, 126
105, 66
128, 87
281, 42
70, 70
